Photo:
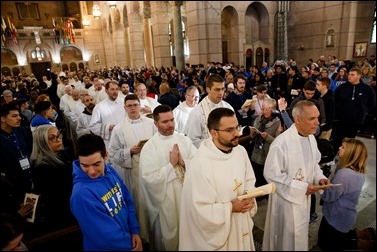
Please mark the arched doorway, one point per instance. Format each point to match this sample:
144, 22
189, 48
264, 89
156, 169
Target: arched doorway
249, 58
259, 57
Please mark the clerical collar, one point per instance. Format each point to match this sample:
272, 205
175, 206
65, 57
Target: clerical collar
301, 134
226, 152
134, 121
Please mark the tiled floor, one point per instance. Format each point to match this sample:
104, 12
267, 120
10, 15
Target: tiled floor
366, 206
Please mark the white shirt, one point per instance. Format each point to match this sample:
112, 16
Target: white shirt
196, 127
181, 114
104, 114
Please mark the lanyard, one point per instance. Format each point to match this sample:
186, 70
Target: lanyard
13, 138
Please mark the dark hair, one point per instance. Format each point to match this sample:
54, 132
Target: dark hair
11, 226
325, 81
21, 101
310, 85
131, 97
41, 106
213, 78
163, 108
7, 107
89, 144
215, 116
261, 88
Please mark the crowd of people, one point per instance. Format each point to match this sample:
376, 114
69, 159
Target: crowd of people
157, 158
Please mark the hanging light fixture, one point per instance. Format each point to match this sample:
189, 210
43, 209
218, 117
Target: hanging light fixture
112, 4
86, 22
96, 11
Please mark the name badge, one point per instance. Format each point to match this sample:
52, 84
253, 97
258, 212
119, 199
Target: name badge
24, 162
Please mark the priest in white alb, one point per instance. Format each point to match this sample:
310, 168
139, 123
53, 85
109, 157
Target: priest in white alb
107, 113
162, 169
125, 147
212, 216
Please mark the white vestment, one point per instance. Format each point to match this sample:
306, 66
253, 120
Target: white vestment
126, 134
83, 122
213, 180
98, 95
150, 102
104, 114
60, 90
181, 113
77, 111
160, 186
292, 164
196, 127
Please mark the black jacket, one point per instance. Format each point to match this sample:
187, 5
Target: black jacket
353, 102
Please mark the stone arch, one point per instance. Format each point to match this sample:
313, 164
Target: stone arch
8, 57
256, 23
72, 67
259, 57
70, 53
229, 34
6, 71
16, 71
249, 58
330, 37
65, 67
257, 32
81, 66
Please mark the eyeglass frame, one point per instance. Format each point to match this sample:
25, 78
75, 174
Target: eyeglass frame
231, 130
194, 97
132, 105
55, 138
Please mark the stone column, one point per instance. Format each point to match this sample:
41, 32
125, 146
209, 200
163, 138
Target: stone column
160, 23
118, 40
204, 30
136, 36
148, 41
178, 37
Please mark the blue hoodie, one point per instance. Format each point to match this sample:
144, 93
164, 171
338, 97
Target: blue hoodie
104, 209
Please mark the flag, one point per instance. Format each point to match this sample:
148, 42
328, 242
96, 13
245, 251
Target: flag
13, 31
3, 29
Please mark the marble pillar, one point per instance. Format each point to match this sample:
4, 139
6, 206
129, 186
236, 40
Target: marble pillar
178, 36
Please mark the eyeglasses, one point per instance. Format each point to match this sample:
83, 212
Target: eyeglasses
133, 105
231, 130
55, 138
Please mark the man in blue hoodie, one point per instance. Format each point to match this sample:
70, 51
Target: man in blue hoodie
101, 202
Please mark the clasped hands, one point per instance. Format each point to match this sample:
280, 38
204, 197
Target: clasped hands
242, 206
176, 157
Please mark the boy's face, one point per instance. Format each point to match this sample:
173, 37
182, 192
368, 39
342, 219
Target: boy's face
93, 165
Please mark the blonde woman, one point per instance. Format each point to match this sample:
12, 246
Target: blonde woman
366, 74
336, 231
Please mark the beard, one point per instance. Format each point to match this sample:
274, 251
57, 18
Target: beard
230, 144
